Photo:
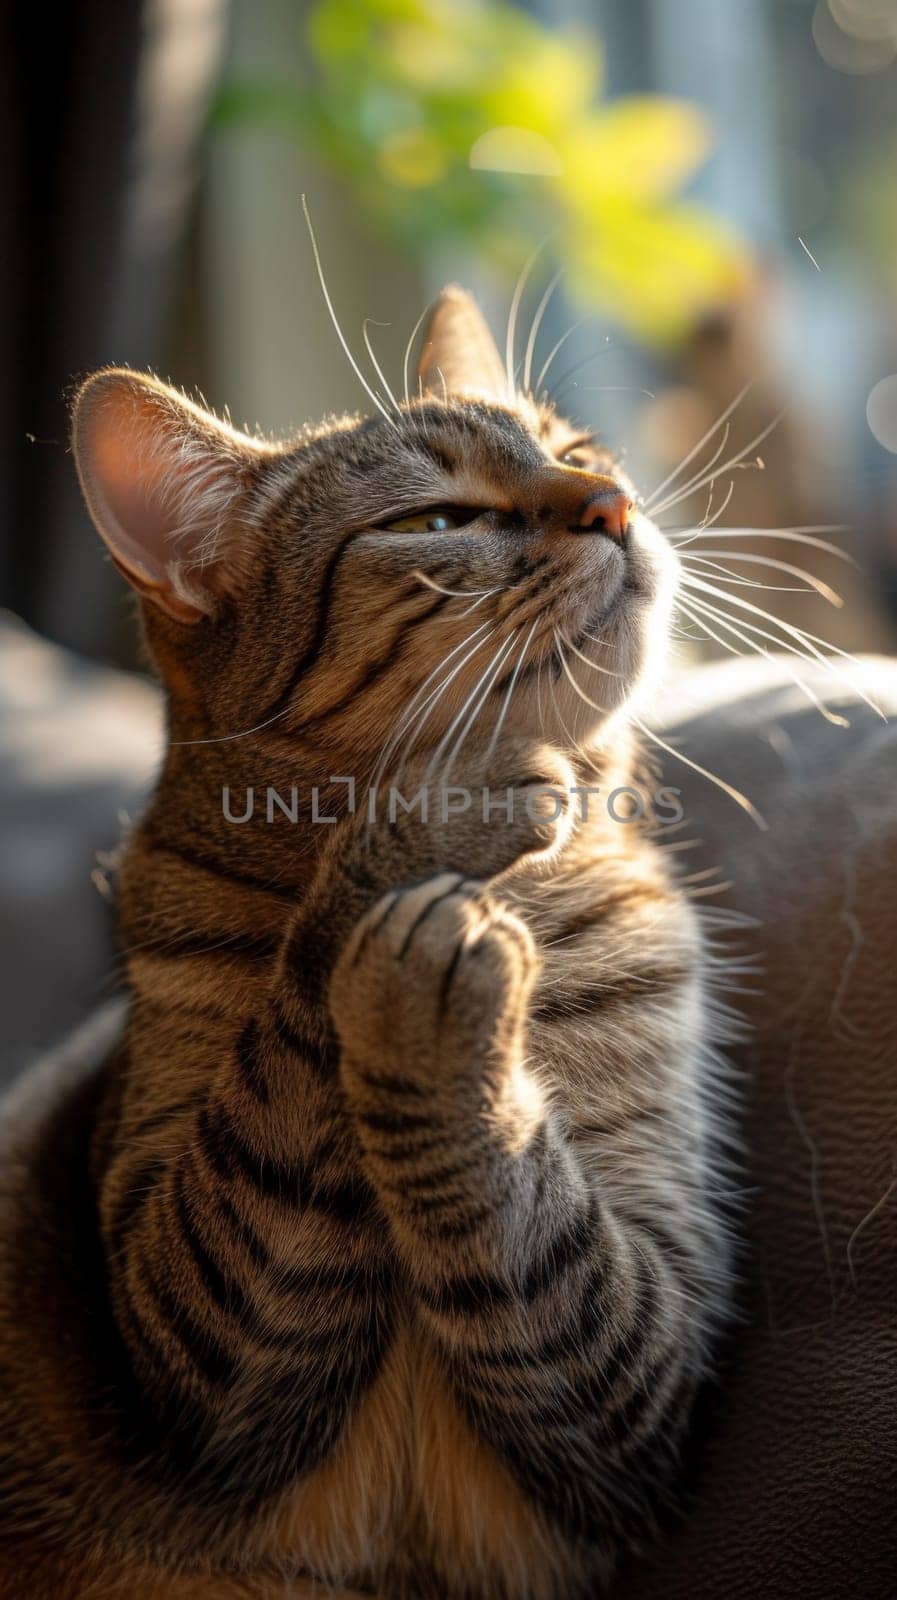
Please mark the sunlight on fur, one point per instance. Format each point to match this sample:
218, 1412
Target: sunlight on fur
393, 1236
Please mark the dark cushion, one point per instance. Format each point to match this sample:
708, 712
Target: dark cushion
796, 1493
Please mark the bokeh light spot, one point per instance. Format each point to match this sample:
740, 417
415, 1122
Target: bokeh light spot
865, 19
881, 413
414, 158
516, 150
846, 52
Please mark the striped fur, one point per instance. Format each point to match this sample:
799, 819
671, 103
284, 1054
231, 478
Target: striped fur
386, 1250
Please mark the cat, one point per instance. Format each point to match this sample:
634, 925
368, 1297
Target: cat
385, 1250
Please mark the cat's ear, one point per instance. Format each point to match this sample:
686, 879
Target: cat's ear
162, 478
458, 355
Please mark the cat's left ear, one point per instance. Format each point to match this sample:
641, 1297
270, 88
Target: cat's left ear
162, 480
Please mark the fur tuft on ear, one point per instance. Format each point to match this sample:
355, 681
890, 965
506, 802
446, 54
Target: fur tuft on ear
458, 354
161, 478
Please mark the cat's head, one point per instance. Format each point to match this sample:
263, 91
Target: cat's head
416, 575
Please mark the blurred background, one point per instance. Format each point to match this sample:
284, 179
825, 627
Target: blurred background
708, 187
714, 177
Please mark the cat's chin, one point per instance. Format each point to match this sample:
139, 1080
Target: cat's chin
612, 649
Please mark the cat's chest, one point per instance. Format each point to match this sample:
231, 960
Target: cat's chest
409, 1479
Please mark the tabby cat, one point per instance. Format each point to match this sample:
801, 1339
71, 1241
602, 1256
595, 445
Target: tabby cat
383, 1254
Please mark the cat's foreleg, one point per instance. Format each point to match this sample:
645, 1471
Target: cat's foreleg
244, 1258
561, 1328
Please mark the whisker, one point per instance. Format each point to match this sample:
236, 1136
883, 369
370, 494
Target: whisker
728, 466
539, 706
368, 322
339, 332
714, 568
723, 417
417, 714
225, 738
714, 888
809, 641
477, 596
686, 488
572, 741
707, 631
734, 465
408, 348
808, 252
425, 712
412, 710
786, 535
476, 640
479, 601
703, 521
506, 704
577, 366
478, 694
513, 313
823, 589
564, 664
616, 388
711, 521
587, 659
703, 772
744, 632
455, 594
768, 560
557, 348
534, 330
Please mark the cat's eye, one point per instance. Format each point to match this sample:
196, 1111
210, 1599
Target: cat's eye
577, 456
437, 519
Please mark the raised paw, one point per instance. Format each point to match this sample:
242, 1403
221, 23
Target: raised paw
512, 803
433, 982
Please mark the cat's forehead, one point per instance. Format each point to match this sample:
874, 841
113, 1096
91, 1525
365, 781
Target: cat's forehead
451, 435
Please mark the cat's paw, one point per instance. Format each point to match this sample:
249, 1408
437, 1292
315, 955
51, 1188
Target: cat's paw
433, 982
517, 802
515, 805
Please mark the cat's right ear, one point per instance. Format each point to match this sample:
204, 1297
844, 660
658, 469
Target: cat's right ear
162, 480
458, 353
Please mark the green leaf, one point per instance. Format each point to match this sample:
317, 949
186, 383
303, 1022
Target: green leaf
643, 147
546, 84
655, 270
261, 102
467, 123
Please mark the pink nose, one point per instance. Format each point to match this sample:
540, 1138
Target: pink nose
607, 512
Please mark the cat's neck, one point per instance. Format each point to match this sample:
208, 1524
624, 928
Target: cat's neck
241, 814
230, 831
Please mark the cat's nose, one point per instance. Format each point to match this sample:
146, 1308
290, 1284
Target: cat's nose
608, 512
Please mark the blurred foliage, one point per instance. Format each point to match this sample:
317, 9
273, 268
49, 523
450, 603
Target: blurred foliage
466, 121
864, 215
